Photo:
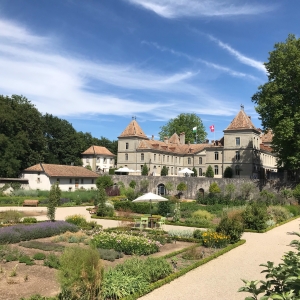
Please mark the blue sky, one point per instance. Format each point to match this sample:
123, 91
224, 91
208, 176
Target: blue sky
98, 63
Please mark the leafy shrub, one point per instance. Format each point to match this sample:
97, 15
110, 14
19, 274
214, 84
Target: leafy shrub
209, 172
198, 221
136, 207
180, 233
203, 214
104, 181
10, 217
52, 261
214, 239
278, 213
255, 216
80, 273
214, 188
45, 246
116, 285
152, 269
193, 254
164, 208
181, 187
29, 220
9, 253
77, 220
197, 234
228, 173
125, 243
110, 254
26, 259
17, 233
293, 209
232, 227
39, 256
132, 184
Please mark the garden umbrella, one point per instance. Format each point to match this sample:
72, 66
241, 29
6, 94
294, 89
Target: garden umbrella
186, 171
124, 170
150, 197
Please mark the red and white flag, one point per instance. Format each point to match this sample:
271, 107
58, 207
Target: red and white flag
212, 128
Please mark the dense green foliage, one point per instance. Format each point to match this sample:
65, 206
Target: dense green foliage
54, 199
278, 101
255, 216
195, 174
214, 188
228, 173
104, 181
164, 171
145, 170
209, 172
181, 187
184, 122
27, 137
80, 273
232, 227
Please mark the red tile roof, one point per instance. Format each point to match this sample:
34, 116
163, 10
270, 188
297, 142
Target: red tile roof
266, 148
62, 171
133, 129
267, 137
98, 150
241, 121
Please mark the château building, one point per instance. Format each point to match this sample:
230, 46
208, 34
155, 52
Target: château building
243, 147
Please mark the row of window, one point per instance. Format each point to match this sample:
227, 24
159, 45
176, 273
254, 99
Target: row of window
98, 160
76, 181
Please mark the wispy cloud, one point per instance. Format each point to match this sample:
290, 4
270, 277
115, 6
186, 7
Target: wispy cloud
65, 85
202, 61
239, 56
195, 8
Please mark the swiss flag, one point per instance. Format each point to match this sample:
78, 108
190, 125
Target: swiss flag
212, 128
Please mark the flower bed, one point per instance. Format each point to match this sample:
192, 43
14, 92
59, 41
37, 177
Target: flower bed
18, 233
126, 243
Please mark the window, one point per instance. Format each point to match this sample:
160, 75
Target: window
154, 157
216, 155
200, 171
126, 156
38, 180
141, 167
70, 180
237, 155
70, 189
216, 170
142, 156
81, 181
179, 159
168, 158
171, 170
92, 181
163, 158
87, 160
98, 159
237, 141
112, 161
104, 160
200, 160
237, 170
127, 146
189, 161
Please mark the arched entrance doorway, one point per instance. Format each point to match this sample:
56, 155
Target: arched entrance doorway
161, 189
201, 192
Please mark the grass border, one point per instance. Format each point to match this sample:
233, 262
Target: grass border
183, 271
272, 227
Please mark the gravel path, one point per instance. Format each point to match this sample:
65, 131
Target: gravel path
219, 279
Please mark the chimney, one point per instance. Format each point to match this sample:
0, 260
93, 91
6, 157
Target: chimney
166, 140
152, 138
212, 141
249, 117
206, 141
182, 138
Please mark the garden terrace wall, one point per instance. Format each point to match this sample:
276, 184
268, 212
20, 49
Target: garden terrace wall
196, 183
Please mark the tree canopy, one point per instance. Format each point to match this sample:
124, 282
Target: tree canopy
27, 137
278, 101
184, 123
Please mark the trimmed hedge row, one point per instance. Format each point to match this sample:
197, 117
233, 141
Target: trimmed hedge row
140, 208
183, 271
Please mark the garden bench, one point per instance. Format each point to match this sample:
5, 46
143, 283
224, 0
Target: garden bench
30, 202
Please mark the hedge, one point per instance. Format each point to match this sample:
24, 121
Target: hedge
139, 208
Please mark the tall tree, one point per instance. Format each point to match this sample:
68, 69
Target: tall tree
63, 146
22, 143
54, 200
278, 101
185, 123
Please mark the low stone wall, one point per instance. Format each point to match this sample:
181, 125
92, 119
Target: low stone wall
194, 184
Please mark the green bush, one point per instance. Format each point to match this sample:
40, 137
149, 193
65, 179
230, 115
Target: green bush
278, 213
26, 259
197, 234
80, 273
228, 173
203, 214
29, 220
45, 246
164, 208
214, 188
132, 184
139, 208
52, 261
214, 239
39, 256
293, 209
77, 220
10, 217
104, 181
232, 227
198, 221
209, 172
296, 193
109, 254
255, 216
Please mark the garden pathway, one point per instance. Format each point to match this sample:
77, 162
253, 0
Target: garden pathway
221, 278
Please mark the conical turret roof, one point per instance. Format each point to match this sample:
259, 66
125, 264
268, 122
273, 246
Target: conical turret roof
241, 121
133, 129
